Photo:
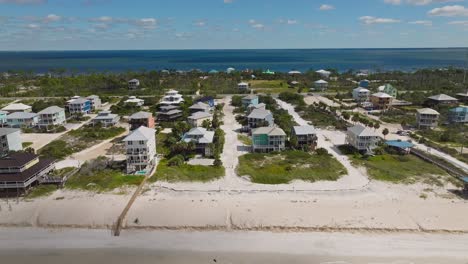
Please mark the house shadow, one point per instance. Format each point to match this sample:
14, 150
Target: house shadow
459, 193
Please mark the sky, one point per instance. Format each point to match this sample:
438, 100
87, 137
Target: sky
231, 24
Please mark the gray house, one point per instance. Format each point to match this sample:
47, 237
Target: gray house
259, 118
22, 119
202, 139
106, 119
10, 140
52, 116
306, 136
362, 138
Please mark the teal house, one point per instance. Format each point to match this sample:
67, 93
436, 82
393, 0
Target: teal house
3, 116
389, 89
250, 99
458, 114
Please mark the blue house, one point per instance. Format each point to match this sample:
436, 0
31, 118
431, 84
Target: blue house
209, 100
458, 114
250, 99
364, 83
79, 106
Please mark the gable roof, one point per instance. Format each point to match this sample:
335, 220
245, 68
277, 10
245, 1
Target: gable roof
304, 130
51, 110
427, 111
382, 95
142, 133
362, 131
443, 97
21, 115
206, 137
200, 115
18, 106
259, 114
199, 105
321, 82
79, 101
6, 131
141, 115
361, 89
270, 131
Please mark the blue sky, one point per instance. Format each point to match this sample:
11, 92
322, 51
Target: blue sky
231, 24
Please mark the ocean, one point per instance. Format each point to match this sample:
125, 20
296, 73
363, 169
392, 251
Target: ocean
206, 60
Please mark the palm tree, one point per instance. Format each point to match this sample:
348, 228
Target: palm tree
385, 132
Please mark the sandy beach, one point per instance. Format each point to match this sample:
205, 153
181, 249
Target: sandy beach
28, 245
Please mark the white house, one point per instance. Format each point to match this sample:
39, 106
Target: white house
361, 94
141, 150
321, 85
324, 73
172, 97
52, 116
95, 101
243, 86
202, 139
260, 118
133, 84
106, 119
17, 107
197, 118
22, 119
362, 138
134, 100
427, 118
10, 140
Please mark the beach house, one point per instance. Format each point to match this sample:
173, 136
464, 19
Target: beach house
95, 101
463, 97
306, 137
22, 119
199, 107
105, 119
197, 118
202, 138
268, 139
135, 101
52, 116
364, 83
427, 118
362, 138
381, 101
3, 115
79, 106
10, 140
260, 118
172, 97
141, 119
17, 107
140, 148
21, 170
250, 99
133, 84
440, 99
243, 86
388, 89
361, 94
320, 85
458, 115
324, 73
169, 113
260, 106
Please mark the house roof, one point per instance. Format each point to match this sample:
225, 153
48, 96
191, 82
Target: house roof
134, 80
6, 131
323, 72
270, 131
304, 130
23, 115
16, 159
142, 133
168, 107
28, 173
199, 105
259, 114
79, 101
105, 116
463, 94
362, 131
361, 89
3, 112
206, 136
250, 97
294, 72
93, 96
170, 112
51, 110
428, 111
200, 115
321, 82
459, 109
141, 115
442, 97
243, 83
15, 107
382, 95
399, 144
257, 106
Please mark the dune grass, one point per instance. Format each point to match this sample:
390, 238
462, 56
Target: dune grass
279, 168
102, 180
186, 173
41, 191
246, 140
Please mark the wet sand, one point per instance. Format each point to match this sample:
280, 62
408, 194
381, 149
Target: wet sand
31, 245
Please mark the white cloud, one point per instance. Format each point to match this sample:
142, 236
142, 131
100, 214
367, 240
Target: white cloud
147, 23
449, 11
52, 18
288, 21
258, 26
103, 19
33, 26
200, 23
370, 20
419, 2
460, 23
421, 22
326, 7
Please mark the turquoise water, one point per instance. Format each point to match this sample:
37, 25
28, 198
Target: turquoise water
276, 60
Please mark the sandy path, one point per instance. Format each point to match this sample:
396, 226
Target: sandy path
93, 246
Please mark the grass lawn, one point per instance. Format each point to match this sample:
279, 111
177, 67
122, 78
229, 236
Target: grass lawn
41, 191
90, 133
244, 139
278, 168
188, 173
271, 86
27, 144
102, 180
406, 169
